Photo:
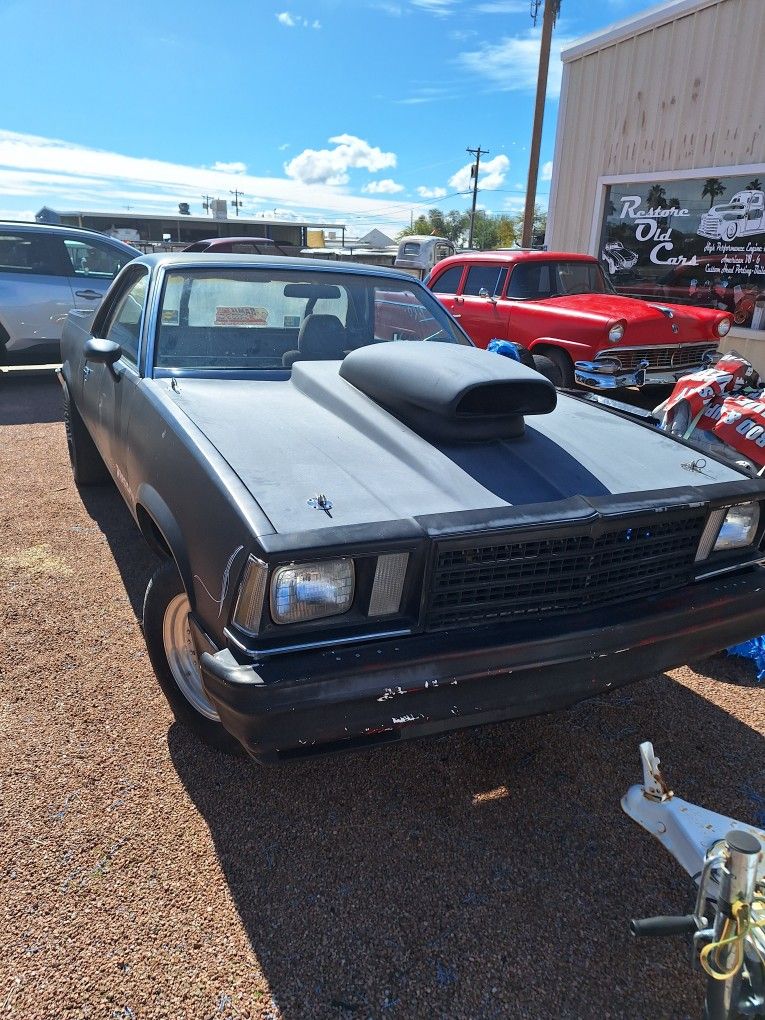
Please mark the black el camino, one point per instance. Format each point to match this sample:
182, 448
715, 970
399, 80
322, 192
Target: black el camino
371, 530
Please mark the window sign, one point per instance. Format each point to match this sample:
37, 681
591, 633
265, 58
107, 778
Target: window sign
699, 241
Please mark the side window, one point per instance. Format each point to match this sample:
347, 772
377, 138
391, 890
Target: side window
124, 324
30, 253
448, 282
529, 280
489, 278
90, 258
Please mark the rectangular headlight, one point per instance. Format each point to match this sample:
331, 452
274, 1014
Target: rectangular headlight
739, 527
311, 591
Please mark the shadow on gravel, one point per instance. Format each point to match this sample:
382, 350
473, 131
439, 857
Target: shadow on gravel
135, 561
30, 401
486, 874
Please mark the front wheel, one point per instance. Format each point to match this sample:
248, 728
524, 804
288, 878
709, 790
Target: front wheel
564, 366
173, 655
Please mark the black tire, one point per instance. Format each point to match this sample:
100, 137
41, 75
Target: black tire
164, 592
563, 364
546, 367
88, 467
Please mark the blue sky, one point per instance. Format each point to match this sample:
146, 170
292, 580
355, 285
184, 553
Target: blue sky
349, 111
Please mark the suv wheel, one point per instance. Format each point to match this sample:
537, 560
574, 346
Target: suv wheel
88, 467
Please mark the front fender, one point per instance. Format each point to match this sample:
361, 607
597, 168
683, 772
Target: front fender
576, 349
150, 502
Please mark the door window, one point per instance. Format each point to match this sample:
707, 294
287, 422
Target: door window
31, 253
488, 278
530, 280
95, 260
124, 325
447, 282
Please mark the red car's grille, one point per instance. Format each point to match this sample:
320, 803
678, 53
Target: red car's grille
481, 582
663, 358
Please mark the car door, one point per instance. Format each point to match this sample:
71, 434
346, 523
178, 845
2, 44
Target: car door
445, 285
530, 282
92, 265
35, 295
483, 316
109, 393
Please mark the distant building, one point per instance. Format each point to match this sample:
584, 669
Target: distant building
375, 239
659, 165
181, 229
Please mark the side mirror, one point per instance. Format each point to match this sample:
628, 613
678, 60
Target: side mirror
483, 292
102, 352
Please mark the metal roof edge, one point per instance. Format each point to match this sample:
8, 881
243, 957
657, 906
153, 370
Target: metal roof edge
651, 18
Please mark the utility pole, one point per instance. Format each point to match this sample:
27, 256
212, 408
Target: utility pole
474, 174
206, 202
552, 7
236, 202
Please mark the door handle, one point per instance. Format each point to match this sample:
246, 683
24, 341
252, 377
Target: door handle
91, 295
456, 315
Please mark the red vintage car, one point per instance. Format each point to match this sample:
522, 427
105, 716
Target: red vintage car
562, 305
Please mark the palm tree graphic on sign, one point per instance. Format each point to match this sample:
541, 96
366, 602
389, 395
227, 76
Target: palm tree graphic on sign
656, 196
713, 187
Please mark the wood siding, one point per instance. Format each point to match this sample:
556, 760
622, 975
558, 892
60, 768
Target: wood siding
679, 96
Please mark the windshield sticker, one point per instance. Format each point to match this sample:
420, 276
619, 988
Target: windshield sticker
240, 315
291, 321
169, 316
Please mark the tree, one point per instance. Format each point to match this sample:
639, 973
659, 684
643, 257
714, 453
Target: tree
713, 187
656, 196
755, 185
451, 225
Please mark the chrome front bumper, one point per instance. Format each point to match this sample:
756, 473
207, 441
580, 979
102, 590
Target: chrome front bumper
596, 377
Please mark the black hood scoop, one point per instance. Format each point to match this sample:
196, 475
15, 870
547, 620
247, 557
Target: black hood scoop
450, 392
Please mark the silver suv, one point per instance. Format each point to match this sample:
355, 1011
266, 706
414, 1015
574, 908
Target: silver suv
45, 271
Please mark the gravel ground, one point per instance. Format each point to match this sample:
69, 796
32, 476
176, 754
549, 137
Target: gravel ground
487, 874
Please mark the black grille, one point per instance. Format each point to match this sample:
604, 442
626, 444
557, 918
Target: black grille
562, 573
662, 358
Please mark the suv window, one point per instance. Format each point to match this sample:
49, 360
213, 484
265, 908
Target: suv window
124, 325
448, 282
90, 258
489, 278
22, 252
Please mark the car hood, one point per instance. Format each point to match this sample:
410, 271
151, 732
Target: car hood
315, 433
638, 314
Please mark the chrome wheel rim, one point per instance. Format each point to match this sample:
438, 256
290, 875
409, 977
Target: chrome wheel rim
182, 656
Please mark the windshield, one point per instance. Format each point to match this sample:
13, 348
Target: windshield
537, 280
268, 319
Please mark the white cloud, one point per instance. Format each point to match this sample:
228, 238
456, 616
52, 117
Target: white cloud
425, 192
387, 186
230, 168
295, 21
547, 170
502, 7
330, 166
491, 175
439, 7
512, 63
283, 146
47, 171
